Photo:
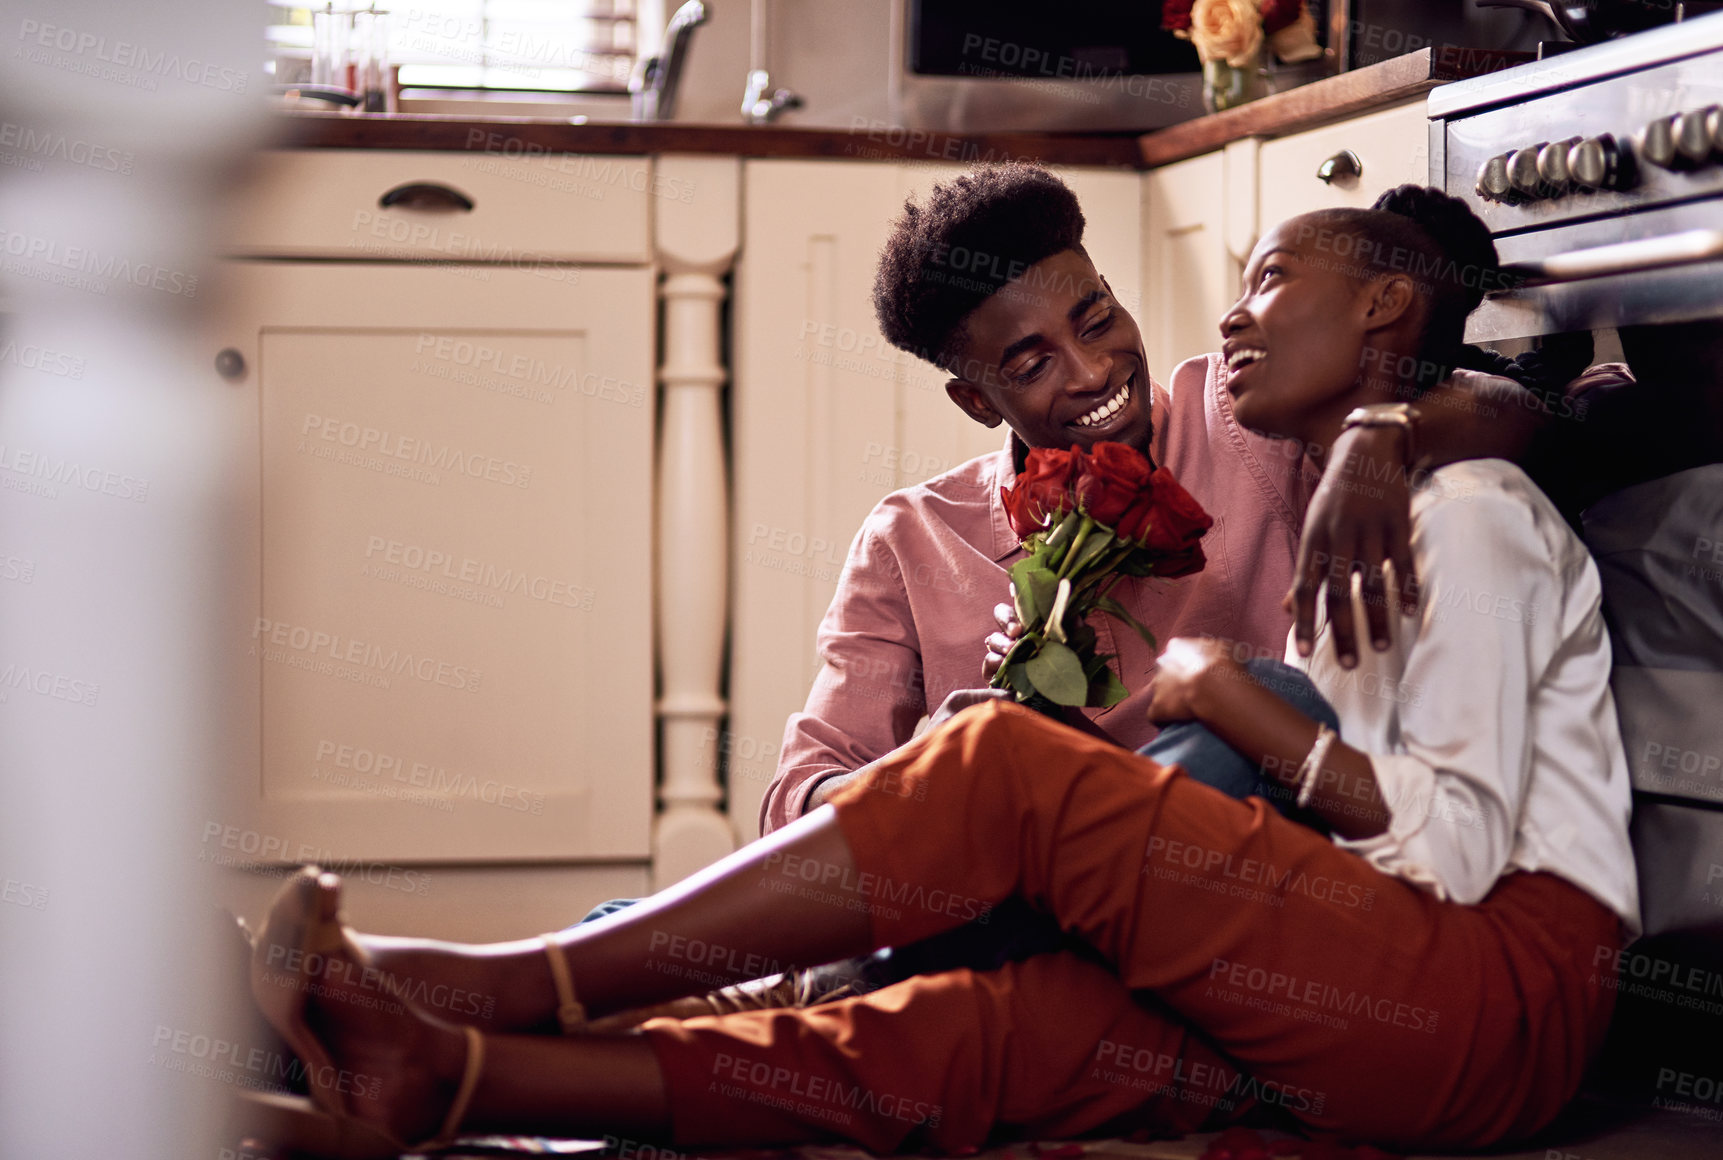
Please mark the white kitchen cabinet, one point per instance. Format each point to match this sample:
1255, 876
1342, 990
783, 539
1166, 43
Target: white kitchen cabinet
1392, 147
447, 616
1202, 216
827, 418
492, 206
1189, 275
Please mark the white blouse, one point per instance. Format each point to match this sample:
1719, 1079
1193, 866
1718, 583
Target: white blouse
1489, 722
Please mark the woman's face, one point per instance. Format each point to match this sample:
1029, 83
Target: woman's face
1058, 359
1294, 341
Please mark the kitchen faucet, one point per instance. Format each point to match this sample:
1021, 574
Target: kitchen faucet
758, 107
653, 85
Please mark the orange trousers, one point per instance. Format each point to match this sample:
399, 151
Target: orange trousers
1246, 961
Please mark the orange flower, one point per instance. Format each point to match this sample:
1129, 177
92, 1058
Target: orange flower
1229, 30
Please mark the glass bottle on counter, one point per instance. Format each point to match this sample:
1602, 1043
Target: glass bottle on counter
371, 40
331, 48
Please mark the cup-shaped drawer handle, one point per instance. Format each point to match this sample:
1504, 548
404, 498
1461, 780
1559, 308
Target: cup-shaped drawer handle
426, 195
1343, 166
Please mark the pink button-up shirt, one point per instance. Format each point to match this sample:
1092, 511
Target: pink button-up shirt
915, 602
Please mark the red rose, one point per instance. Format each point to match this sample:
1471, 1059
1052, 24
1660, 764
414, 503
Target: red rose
1109, 479
1167, 519
1278, 14
1043, 487
1172, 565
1180, 521
1176, 15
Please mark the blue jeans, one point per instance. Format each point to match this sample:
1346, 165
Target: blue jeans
1014, 930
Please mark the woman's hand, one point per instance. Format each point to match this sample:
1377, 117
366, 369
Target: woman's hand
1000, 642
1193, 672
1359, 519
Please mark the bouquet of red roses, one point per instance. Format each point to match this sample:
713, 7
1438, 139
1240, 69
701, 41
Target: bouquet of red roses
1088, 518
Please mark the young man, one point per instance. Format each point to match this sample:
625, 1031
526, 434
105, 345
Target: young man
989, 280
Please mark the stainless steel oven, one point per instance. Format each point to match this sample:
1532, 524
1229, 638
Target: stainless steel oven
1600, 171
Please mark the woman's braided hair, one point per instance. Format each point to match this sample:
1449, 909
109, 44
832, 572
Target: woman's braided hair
1465, 265
1471, 268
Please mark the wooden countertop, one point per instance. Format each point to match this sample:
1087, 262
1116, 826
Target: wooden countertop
1330, 99
1333, 98
869, 141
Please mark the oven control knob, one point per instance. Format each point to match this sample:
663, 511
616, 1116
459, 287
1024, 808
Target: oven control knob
1493, 184
1553, 166
1523, 172
1692, 139
1601, 163
1655, 143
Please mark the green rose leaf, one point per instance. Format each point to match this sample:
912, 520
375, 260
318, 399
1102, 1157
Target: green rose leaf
1023, 594
1108, 689
1114, 609
1033, 587
1045, 585
1058, 675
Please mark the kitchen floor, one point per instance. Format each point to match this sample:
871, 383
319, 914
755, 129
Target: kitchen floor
1590, 1132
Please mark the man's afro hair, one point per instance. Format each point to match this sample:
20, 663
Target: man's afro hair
974, 234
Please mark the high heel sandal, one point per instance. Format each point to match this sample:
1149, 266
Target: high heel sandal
302, 931
570, 1011
788, 989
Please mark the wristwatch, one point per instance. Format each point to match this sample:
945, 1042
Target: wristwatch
1402, 415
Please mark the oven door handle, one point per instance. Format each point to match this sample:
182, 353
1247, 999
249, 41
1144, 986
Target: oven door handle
1682, 249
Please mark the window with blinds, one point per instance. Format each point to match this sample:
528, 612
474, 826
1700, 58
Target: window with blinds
525, 45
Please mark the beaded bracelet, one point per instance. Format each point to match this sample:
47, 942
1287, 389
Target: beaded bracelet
1307, 772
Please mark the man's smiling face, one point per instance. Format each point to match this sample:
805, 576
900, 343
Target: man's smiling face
1054, 356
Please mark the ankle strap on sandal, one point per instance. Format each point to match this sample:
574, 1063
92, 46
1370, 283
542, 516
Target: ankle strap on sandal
469, 1083
570, 1011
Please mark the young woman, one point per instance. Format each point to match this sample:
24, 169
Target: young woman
1425, 978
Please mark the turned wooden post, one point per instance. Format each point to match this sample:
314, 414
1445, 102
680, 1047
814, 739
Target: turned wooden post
698, 221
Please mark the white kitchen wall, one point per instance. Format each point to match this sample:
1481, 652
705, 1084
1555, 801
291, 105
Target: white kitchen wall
837, 55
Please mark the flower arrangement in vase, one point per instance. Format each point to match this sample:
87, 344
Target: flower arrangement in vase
1231, 37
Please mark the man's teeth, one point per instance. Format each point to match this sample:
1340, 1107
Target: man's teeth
1244, 357
1105, 411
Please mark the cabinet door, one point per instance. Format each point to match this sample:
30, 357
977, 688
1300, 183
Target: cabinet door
1191, 278
447, 616
828, 418
1393, 147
